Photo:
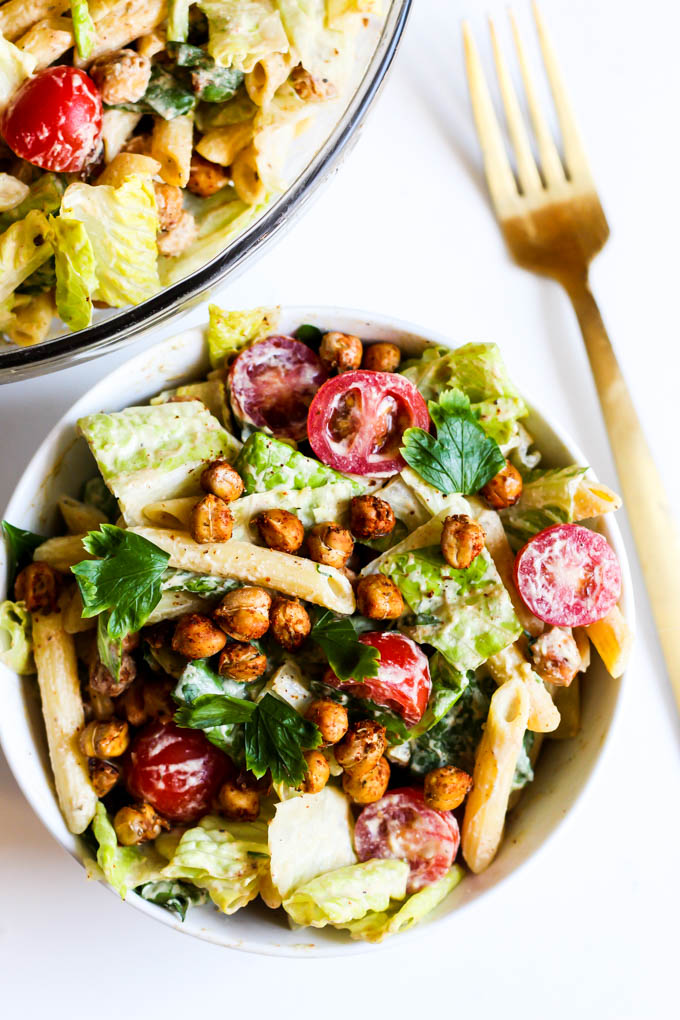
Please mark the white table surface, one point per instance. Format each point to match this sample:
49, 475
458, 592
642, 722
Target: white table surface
588, 928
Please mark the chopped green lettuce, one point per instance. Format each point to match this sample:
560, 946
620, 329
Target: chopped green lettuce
243, 31
548, 497
318, 47
453, 741
196, 681
347, 894
476, 368
375, 926
15, 66
24, 246
211, 393
83, 28
76, 278
448, 685
121, 224
524, 770
266, 463
228, 332
124, 867
175, 896
153, 453
310, 505
16, 641
43, 195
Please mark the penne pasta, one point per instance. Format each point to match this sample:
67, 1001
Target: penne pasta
47, 40
495, 764
593, 498
171, 513
292, 575
17, 16
62, 706
266, 76
80, 518
73, 621
509, 665
63, 552
177, 603
120, 22
222, 144
117, 126
613, 640
568, 703
124, 165
246, 177
31, 318
171, 146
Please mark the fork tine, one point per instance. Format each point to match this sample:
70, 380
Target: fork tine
526, 165
499, 175
574, 152
551, 165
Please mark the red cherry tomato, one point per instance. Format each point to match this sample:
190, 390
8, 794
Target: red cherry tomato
272, 384
400, 825
178, 771
568, 576
357, 420
54, 119
403, 682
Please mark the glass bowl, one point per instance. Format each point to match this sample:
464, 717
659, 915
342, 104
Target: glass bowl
114, 329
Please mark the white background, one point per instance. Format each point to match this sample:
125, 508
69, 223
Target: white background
590, 927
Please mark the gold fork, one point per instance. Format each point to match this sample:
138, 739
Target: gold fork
553, 224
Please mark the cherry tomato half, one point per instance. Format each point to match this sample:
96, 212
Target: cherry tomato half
403, 682
54, 119
272, 384
568, 576
400, 825
178, 771
357, 420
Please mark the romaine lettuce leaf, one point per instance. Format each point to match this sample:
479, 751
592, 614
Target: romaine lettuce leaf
16, 641
124, 867
454, 740
121, 224
153, 453
15, 66
75, 272
43, 195
243, 31
347, 894
317, 47
266, 463
211, 393
548, 497
374, 927
174, 896
228, 332
476, 368
24, 246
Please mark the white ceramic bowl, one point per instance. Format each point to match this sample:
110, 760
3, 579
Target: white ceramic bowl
60, 466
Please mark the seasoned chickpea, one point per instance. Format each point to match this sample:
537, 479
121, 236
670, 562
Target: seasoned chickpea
461, 541
147, 699
211, 520
367, 787
168, 203
244, 614
197, 637
179, 236
290, 623
106, 738
382, 357
103, 775
330, 718
38, 586
317, 774
222, 480
311, 88
280, 530
241, 661
378, 598
504, 489
121, 76
138, 823
330, 544
556, 656
371, 517
103, 682
238, 802
362, 746
206, 178
446, 788
340, 351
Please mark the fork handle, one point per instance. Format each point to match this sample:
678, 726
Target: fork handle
651, 519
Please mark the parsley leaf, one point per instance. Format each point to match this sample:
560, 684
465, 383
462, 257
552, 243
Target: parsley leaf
462, 458
126, 580
214, 710
348, 657
275, 738
20, 547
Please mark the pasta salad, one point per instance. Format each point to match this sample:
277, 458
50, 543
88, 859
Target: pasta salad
137, 137
308, 625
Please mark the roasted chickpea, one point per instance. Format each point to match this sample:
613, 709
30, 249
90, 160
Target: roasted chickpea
38, 586
290, 623
179, 236
461, 541
317, 774
367, 787
168, 204
222, 480
556, 656
504, 489
371, 517
206, 178
362, 746
121, 76
147, 699
197, 637
103, 775
340, 351
108, 738
330, 544
138, 823
446, 788
103, 682
378, 598
382, 357
211, 520
239, 802
280, 530
243, 614
330, 718
241, 661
